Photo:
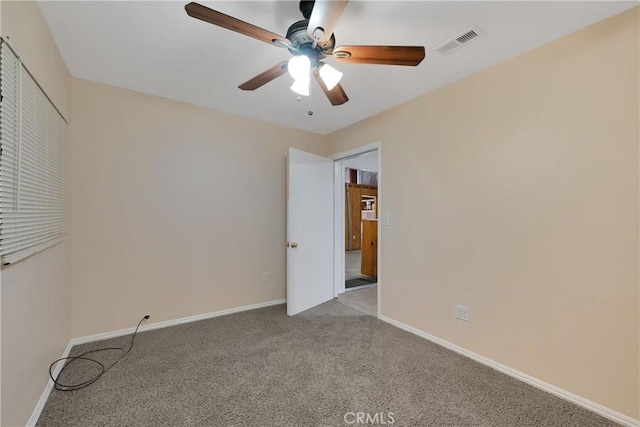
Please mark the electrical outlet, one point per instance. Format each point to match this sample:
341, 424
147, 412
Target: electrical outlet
265, 277
462, 313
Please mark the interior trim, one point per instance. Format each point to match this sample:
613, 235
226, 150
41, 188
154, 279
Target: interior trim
539, 384
47, 390
167, 323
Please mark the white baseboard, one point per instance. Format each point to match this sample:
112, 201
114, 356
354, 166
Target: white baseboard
549, 388
47, 390
97, 337
167, 323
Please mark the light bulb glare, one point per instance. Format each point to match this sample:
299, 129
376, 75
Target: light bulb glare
299, 67
330, 76
301, 86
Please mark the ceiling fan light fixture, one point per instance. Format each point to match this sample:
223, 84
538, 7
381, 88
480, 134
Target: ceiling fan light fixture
301, 85
310, 40
330, 76
299, 67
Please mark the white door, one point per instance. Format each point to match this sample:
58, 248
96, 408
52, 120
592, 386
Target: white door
309, 231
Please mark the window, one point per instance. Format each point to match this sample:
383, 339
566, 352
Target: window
33, 183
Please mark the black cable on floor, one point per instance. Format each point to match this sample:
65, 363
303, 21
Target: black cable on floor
69, 360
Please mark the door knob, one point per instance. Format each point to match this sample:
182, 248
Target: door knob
294, 245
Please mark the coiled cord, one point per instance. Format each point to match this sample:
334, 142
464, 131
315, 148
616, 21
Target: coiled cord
69, 360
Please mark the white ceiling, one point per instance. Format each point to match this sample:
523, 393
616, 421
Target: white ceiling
155, 48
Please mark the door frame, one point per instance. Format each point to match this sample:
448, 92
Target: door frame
339, 220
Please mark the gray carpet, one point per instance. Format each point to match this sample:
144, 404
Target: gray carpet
262, 368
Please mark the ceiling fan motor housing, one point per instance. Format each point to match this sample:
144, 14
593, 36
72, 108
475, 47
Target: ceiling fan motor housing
299, 37
306, 7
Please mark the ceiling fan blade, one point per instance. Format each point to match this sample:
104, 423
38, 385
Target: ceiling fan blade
385, 55
214, 17
336, 96
325, 16
264, 78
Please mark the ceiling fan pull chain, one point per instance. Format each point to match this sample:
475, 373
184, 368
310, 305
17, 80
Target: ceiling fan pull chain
310, 111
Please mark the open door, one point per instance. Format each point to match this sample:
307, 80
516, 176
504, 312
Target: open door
309, 231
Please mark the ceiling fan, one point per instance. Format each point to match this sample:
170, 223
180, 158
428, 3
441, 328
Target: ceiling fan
310, 41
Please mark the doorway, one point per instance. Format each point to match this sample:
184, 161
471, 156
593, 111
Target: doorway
357, 202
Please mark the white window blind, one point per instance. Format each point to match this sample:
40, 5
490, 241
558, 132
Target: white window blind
33, 184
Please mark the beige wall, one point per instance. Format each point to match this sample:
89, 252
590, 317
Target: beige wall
176, 209
515, 192
24, 27
34, 292
35, 328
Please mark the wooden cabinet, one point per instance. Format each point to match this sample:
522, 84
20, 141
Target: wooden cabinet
357, 198
352, 217
369, 199
370, 248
